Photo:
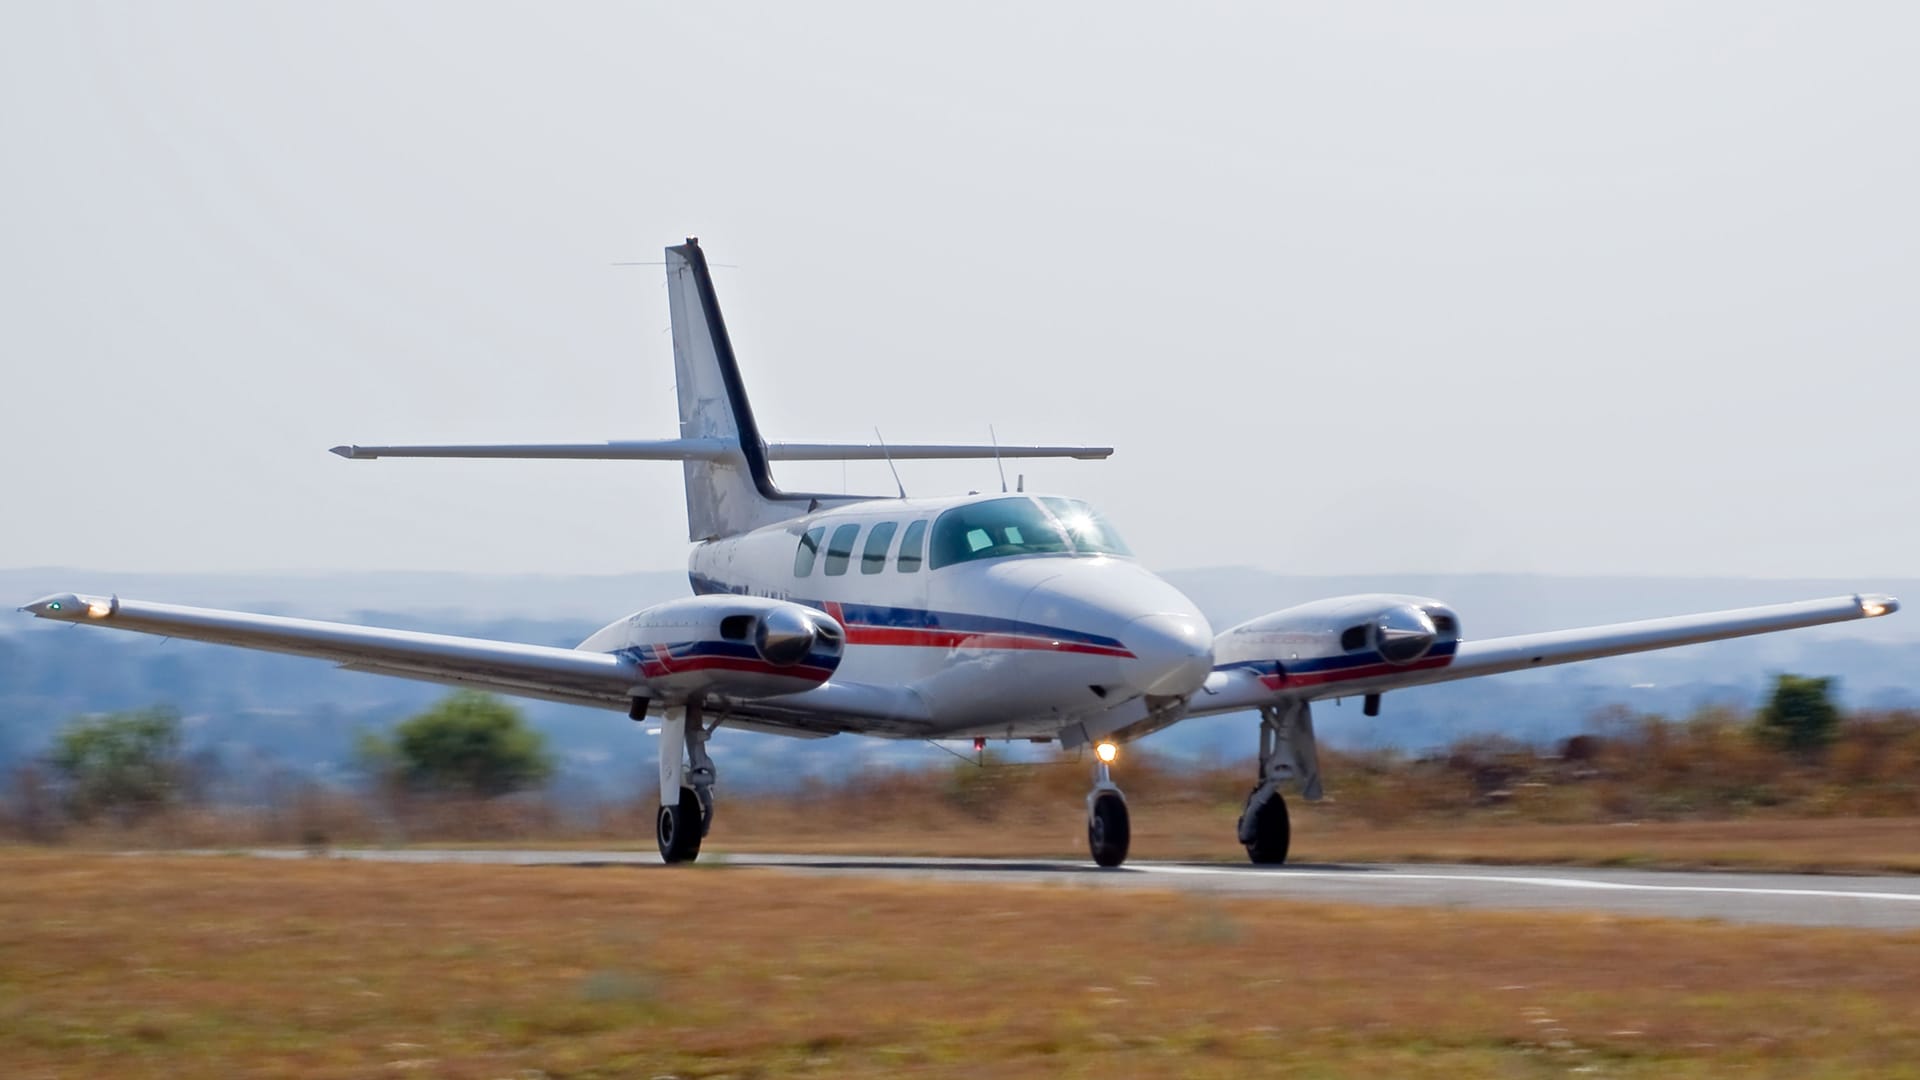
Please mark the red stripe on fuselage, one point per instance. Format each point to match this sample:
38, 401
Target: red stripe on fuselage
959, 639
654, 669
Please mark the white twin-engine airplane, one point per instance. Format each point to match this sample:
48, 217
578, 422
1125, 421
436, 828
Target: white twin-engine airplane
1006, 616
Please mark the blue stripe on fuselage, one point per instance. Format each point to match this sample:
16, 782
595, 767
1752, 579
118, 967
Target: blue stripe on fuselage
900, 618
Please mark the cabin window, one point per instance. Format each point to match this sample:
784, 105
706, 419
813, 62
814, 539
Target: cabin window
873, 557
840, 549
911, 544
993, 529
808, 550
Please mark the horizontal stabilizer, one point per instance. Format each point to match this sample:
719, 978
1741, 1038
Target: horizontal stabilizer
926, 451
723, 449
641, 450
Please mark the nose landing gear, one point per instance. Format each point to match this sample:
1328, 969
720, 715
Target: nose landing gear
1109, 829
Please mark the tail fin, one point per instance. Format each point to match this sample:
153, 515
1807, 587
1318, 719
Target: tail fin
730, 488
726, 495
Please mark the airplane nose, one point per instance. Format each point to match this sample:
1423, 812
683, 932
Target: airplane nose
1173, 654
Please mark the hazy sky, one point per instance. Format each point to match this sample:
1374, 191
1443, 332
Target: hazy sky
1598, 288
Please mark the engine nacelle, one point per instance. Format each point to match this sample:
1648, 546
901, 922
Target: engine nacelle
1347, 640
734, 646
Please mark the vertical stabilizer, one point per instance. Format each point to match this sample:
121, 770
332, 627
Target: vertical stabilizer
733, 494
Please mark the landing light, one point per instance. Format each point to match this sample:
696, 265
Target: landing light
1873, 608
1107, 751
99, 609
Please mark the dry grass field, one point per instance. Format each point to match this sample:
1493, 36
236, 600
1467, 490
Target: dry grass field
911, 815
178, 966
1699, 793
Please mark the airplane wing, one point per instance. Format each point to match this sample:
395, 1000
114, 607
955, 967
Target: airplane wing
546, 672
1250, 686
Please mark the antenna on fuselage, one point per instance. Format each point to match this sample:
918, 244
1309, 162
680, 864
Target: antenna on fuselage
997, 463
884, 452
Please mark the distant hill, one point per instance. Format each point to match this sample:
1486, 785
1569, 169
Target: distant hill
263, 713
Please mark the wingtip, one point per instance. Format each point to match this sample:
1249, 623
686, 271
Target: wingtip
72, 607
348, 452
1874, 605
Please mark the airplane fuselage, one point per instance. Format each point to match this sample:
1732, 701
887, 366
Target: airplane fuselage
1009, 615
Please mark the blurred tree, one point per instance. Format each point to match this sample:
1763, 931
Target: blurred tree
469, 742
1800, 716
126, 764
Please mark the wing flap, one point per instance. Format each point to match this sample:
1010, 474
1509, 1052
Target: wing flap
1232, 690
832, 707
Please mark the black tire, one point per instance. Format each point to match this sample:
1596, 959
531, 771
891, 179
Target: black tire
1109, 830
677, 829
1272, 831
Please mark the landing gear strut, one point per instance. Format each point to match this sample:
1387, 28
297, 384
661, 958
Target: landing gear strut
1287, 752
686, 784
1109, 830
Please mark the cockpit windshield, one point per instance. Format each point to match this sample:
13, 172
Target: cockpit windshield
1021, 525
1089, 531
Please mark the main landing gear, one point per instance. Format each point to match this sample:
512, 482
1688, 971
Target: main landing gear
686, 784
1109, 830
1287, 752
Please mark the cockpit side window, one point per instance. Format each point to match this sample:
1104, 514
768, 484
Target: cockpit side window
873, 558
993, 529
840, 548
808, 550
1091, 533
912, 543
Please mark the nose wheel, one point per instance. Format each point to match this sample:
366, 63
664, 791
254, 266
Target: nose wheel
1109, 828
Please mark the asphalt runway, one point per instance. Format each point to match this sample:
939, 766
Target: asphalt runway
1885, 903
